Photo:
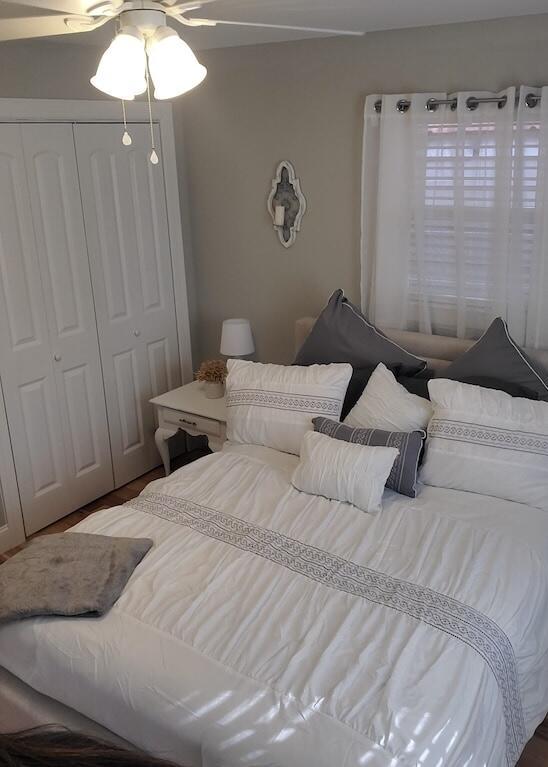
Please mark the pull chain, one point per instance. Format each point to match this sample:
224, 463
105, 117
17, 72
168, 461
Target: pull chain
126, 138
153, 155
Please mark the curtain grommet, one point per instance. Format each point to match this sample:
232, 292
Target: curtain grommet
531, 100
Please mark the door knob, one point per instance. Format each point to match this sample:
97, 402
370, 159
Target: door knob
137, 333
57, 358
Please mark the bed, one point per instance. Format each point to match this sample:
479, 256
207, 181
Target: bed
271, 627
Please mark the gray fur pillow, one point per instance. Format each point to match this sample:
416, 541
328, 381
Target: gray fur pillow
68, 574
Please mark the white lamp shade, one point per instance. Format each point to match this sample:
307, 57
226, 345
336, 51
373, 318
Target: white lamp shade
172, 65
121, 71
237, 338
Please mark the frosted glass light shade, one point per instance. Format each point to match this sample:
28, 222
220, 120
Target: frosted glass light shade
121, 71
173, 67
237, 338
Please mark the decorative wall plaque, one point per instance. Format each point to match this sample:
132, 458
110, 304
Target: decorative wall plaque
286, 203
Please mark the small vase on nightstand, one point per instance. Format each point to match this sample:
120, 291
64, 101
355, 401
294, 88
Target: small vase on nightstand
212, 373
214, 389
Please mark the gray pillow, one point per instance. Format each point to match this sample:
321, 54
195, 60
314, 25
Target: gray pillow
403, 477
342, 334
496, 355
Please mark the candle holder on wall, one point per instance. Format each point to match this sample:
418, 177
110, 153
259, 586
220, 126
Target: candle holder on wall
286, 203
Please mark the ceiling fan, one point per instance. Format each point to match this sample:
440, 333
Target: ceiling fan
141, 23
143, 48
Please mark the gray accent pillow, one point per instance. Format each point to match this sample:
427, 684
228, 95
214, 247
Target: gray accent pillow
403, 477
496, 355
342, 334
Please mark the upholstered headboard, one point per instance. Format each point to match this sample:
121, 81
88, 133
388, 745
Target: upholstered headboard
438, 351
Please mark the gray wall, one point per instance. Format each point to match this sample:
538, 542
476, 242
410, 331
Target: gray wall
303, 101
46, 70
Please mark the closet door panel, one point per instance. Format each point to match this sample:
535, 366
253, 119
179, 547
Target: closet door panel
159, 365
126, 371
62, 253
126, 225
37, 400
26, 355
89, 444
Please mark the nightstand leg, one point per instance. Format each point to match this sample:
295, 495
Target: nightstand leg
161, 437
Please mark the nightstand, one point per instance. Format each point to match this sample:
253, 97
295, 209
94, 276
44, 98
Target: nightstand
189, 409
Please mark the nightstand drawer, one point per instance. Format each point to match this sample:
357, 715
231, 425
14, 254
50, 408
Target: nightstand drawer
189, 421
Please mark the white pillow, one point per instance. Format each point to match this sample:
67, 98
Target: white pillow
487, 442
344, 471
386, 404
273, 405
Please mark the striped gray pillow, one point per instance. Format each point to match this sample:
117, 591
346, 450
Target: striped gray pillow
403, 477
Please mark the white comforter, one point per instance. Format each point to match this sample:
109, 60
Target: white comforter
231, 648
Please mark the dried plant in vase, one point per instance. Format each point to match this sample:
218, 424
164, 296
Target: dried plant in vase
213, 374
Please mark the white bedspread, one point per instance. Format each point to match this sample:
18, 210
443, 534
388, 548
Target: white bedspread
418, 636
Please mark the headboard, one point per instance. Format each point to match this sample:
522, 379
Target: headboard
438, 351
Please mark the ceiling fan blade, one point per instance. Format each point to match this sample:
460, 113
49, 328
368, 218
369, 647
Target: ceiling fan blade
45, 26
185, 7
72, 7
213, 22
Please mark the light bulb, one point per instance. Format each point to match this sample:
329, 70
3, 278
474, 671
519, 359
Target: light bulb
172, 65
121, 71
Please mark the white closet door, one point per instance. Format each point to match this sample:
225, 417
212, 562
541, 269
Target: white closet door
26, 360
128, 240
50, 160
61, 461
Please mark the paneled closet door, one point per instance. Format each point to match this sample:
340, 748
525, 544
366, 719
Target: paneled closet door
38, 389
26, 360
128, 241
52, 173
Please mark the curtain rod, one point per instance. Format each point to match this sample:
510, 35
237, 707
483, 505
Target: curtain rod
472, 102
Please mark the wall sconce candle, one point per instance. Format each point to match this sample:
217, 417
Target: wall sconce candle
279, 215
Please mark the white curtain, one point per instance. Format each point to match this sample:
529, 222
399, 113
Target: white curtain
454, 216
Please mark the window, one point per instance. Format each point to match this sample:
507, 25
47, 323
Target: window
461, 232
455, 214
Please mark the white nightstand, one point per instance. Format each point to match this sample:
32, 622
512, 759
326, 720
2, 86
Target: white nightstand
188, 408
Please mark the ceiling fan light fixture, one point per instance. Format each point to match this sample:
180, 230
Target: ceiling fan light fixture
173, 67
121, 70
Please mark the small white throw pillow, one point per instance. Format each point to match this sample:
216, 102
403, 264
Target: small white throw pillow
386, 404
344, 471
273, 405
487, 442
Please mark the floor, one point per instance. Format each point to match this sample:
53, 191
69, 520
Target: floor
536, 753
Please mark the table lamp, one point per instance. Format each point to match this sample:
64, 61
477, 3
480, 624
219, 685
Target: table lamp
237, 338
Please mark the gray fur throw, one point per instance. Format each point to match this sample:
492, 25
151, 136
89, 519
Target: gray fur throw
68, 574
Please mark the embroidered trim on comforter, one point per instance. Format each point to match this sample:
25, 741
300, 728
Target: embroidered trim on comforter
462, 622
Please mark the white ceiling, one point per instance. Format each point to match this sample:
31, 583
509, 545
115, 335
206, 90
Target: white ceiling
363, 15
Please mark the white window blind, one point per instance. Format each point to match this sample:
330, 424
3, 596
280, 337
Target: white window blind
459, 254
